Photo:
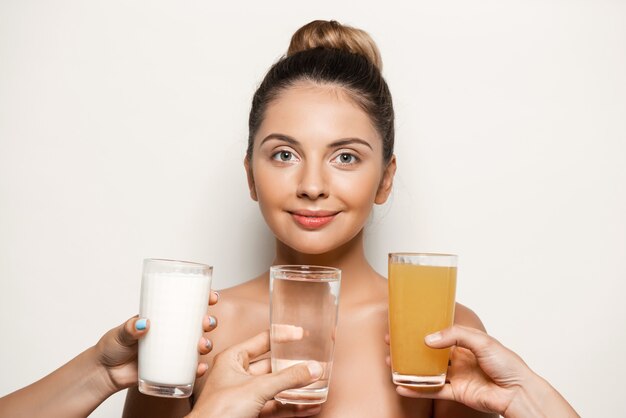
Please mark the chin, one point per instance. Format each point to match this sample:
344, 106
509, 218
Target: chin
315, 244
311, 248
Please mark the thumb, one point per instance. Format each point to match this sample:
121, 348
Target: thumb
129, 332
472, 339
295, 376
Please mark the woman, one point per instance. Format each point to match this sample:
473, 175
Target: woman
320, 155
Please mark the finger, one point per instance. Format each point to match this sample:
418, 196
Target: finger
130, 331
275, 409
445, 392
295, 376
205, 346
255, 346
388, 360
260, 367
209, 323
387, 339
214, 297
201, 370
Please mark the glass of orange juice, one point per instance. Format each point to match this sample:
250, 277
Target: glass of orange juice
422, 288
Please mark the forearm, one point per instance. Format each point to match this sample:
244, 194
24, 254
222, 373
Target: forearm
73, 390
537, 398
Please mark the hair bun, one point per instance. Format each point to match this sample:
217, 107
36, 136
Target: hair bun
332, 34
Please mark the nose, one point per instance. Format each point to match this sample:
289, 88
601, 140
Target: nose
312, 183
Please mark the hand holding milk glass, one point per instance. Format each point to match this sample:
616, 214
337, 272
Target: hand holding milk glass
422, 290
304, 302
174, 296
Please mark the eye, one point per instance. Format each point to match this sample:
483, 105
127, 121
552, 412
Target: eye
346, 158
284, 156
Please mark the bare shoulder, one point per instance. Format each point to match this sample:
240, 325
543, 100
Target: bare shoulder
240, 310
250, 293
467, 317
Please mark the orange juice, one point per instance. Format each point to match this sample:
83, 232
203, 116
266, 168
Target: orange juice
421, 301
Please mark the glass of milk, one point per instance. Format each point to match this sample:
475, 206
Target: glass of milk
174, 297
304, 302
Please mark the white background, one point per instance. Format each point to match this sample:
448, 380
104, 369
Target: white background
123, 126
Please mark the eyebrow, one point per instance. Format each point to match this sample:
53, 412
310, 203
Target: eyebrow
349, 141
280, 137
339, 143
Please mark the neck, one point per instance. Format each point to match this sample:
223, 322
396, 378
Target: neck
356, 272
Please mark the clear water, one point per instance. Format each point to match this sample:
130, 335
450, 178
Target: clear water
303, 316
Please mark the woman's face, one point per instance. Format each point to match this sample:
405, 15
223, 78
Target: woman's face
317, 168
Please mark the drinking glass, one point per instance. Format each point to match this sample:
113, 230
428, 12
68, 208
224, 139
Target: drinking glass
304, 303
174, 297
421, 301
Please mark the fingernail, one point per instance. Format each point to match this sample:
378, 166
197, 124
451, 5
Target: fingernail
433, 338
217, 294
208, 344
315, 369
140, 325
212, 321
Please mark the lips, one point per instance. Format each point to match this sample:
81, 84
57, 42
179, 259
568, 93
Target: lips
313, 219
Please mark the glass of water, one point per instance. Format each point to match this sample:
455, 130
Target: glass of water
304, 302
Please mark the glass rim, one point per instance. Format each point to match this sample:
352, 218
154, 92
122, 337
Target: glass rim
179, 262
417, 254
304, 269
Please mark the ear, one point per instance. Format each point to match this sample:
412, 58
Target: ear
386, 183
251, 185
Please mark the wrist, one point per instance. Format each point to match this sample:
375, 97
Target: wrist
526, 403
99, 379
537, 398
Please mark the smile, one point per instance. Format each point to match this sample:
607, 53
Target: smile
313, 219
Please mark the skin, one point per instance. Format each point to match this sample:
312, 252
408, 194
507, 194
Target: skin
239, 387
301, 161
488, 376
79, 386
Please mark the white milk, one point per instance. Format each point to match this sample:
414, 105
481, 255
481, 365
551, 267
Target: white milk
175, 304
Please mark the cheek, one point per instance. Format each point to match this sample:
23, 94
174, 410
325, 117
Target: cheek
265, 192
270, 184
359, 189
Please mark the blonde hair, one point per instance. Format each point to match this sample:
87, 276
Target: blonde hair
334, 35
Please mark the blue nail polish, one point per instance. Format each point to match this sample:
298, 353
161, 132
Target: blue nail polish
140, 325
